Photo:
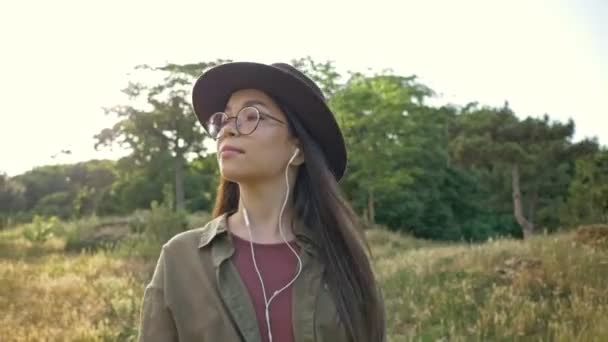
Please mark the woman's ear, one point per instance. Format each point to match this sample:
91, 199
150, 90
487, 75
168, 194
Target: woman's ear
297, 157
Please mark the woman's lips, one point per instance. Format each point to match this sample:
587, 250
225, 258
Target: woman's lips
229, 153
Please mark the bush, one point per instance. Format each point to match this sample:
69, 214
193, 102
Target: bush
92, 233
41, 229
138, 245
79, 232
56, 204
142, 233
8, 220
137, 221
161, 222
150, 229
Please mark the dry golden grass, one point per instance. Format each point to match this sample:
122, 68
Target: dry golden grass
547, 288
595, 235
46, 295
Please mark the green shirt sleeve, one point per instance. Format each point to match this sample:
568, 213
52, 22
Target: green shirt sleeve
156, 320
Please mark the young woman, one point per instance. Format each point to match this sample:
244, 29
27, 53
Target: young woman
284, 258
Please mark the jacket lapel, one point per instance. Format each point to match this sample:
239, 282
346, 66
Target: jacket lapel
235, 295
232, 289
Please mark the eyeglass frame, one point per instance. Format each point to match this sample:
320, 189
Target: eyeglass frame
235, 118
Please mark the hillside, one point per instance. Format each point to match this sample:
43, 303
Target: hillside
549, 288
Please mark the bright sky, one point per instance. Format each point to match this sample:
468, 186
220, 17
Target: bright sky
61, 61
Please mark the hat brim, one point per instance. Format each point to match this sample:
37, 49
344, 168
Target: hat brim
213, 89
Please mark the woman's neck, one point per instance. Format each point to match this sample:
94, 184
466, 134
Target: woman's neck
264, 201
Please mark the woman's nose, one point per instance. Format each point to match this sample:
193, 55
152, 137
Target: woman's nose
229, 129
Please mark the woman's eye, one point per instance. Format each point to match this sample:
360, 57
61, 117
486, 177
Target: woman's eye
249, 114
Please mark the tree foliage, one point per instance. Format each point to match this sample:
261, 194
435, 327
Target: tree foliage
440, 172
166, 129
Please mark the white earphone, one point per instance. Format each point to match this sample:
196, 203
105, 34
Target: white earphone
268, 300
295, 154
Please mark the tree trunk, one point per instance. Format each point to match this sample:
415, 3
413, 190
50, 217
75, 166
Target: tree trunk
370, 206
532, 204
527, 227
179, 182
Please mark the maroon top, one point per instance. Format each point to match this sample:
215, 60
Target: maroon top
278, 265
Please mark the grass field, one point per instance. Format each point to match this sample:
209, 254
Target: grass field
550, 288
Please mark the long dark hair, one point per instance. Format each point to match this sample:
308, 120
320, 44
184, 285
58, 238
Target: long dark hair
317, 200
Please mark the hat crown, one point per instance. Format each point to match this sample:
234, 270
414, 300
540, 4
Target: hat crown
301, 76
288, 85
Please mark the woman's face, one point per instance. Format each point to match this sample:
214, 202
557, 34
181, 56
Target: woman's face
261, 155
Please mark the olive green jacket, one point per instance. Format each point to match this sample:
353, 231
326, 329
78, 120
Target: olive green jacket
196, 293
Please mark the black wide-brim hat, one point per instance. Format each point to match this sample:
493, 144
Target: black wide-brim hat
288, 86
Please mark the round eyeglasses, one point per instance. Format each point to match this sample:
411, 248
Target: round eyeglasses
247, 120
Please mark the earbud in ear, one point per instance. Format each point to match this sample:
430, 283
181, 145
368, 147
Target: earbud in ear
295, 154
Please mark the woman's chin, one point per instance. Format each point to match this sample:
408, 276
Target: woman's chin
233, 173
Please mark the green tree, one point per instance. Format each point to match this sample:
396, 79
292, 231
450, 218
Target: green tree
43, 181
166, 127
12, 198
66, 190
535, 155
588, 192
373, 112
137, 185
12, 194
201, 182
399, 173
324, 74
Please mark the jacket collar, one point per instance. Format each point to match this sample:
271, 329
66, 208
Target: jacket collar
218, 226
234, 293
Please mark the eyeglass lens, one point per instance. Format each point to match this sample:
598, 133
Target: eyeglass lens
246, 121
